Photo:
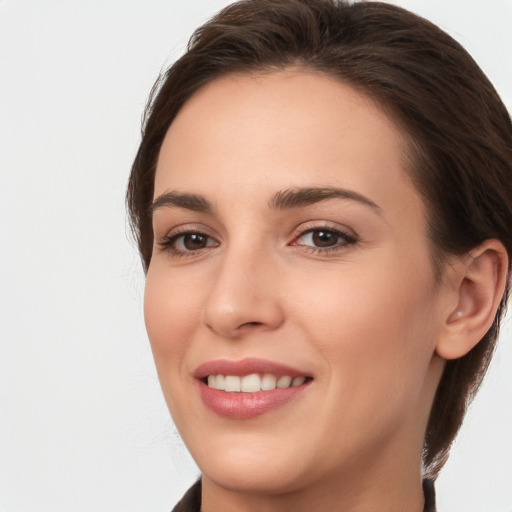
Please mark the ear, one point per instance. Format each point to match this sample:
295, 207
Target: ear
477, 282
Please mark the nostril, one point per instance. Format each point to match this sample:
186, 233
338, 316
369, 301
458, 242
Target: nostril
250, 324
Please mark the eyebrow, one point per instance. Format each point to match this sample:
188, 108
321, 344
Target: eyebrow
298, 197
192, 202
282, 200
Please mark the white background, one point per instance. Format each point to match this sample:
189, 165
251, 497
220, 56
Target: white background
83, 426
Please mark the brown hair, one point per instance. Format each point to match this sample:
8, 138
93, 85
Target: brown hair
459, 132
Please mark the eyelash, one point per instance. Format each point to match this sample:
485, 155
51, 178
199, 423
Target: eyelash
344, 239
169, 241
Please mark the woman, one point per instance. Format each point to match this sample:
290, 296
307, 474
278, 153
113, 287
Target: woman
322, 204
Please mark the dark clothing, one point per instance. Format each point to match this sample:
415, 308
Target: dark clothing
191, 502
430, 496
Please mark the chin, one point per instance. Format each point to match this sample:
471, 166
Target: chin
257, 463
259, 477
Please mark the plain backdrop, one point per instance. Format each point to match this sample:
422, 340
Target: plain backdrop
83, 426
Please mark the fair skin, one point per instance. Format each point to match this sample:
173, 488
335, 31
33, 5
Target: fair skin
339, 286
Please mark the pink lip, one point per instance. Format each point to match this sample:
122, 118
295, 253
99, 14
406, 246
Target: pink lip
246, 405
245, 367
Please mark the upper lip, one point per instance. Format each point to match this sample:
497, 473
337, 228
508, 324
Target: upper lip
245, 367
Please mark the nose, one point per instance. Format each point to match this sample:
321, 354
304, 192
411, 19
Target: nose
244, 296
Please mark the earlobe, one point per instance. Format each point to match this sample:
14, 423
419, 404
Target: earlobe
479, 281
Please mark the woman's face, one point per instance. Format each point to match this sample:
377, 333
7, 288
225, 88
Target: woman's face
291, 249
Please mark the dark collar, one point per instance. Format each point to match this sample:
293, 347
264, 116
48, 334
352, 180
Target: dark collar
191, 502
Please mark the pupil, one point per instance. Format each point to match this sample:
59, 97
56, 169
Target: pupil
324, 238
194, 241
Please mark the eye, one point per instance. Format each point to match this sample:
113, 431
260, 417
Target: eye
320, 238
186, 243
323, 239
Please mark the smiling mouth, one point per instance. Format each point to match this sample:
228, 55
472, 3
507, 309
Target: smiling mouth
250, 387
253, 383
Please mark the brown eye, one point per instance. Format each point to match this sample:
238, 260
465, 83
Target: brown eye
324, 239
321, 238
194, 241
188, 242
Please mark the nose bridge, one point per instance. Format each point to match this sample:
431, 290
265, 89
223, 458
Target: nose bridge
243, 297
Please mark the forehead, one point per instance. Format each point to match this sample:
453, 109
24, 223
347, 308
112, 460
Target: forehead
270, 131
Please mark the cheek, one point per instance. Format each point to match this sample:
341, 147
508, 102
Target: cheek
170, 314
374, 327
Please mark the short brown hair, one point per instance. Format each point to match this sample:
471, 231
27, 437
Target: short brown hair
459, 132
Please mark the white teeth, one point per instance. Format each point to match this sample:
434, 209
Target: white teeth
284, 382
253, 383
268, 382
220, 382
298, 381
232, 383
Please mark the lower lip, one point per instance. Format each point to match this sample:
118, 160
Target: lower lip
247, 405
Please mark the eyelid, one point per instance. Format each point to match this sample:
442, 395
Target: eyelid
167, 241
348, 236
316, 225
189, 227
